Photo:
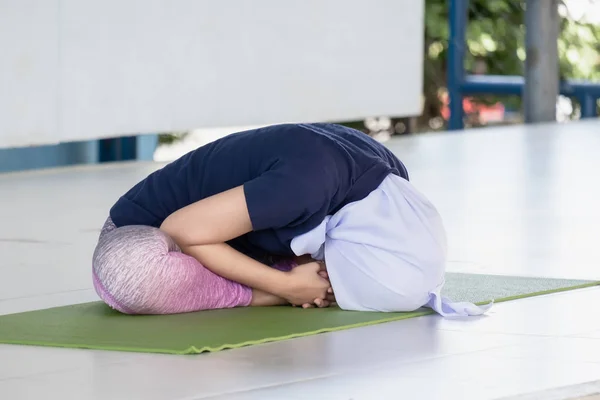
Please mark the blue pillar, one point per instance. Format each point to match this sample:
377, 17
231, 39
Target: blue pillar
458, 16
48, 156
117, 149
588, 106
127, 148
146, 145
75, 153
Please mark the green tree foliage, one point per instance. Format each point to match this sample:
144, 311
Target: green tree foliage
496, 45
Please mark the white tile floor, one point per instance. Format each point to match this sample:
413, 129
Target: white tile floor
516, 201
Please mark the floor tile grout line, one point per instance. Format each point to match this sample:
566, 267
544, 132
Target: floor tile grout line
44, 373
515, 333
354, 370
295, 381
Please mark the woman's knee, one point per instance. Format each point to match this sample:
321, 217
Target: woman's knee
126, 264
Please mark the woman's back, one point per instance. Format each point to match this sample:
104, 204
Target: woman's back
293, 176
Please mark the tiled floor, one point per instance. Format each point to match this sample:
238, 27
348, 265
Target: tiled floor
516, 201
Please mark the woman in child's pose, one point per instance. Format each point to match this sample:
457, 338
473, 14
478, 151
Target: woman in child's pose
301, 214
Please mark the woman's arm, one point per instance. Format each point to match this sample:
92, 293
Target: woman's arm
229, 263
216, 219
201, 230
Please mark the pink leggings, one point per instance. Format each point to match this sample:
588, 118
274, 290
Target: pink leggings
140, 270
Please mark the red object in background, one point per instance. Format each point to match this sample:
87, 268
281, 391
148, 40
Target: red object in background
483, 113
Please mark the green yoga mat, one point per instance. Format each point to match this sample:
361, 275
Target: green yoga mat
96, 326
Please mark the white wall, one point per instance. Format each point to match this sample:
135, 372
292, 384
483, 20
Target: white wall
85, 69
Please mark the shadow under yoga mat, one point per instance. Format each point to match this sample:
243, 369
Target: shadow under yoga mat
96, 326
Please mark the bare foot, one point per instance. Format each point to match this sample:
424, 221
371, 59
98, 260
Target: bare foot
264, 299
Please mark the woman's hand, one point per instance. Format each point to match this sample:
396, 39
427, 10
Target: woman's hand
305, 284
329, 300
322, 303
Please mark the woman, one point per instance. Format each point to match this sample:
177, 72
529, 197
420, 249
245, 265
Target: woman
301, 214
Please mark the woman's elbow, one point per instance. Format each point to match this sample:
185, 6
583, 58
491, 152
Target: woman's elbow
187, 235
177, 232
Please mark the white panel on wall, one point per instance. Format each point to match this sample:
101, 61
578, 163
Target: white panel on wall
131, 66
29, 70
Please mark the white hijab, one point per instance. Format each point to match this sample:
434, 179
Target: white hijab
386, 252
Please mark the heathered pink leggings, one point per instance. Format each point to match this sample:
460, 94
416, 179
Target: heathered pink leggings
140, 270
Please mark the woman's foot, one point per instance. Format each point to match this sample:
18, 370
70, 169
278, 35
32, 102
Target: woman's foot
264, 299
